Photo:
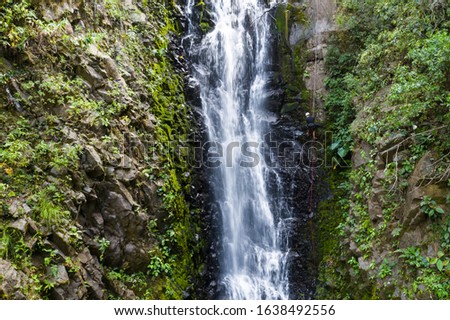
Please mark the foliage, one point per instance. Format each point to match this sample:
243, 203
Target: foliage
51, 214
103, 246
412, 255
14, 17
429, 207
385, 269
388, 68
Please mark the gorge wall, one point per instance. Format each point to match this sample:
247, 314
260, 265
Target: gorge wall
96, 193
387, 104
375, 73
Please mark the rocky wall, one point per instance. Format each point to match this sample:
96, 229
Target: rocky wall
94, 190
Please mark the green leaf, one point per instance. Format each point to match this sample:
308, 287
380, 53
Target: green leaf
439, 210
342, 152
440, 265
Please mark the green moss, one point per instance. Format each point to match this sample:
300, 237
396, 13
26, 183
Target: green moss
292, 59
332, 214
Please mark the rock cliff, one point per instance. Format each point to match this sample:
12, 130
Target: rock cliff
94, 182
387, 81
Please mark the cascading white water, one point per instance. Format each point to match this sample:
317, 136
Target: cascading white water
231, 71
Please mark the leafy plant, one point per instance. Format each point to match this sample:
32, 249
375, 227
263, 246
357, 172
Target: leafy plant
440, 262
413, 256
13, 31
51, 214
5, 244
160, 263
73, 266
104, 245
385, 269
429, 207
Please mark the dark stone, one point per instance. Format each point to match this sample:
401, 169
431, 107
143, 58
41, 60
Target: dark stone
62, 241
361, 154
92, 77
92, 163
11, 281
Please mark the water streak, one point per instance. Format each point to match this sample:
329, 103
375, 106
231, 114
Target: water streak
231, 70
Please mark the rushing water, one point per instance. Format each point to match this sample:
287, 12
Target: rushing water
231, 70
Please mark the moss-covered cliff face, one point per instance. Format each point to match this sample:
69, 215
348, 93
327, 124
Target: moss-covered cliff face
388, 81
93, 181
302, 29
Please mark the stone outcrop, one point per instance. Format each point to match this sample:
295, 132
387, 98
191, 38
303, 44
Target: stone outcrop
12, 281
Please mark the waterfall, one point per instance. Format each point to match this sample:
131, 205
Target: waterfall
230, 66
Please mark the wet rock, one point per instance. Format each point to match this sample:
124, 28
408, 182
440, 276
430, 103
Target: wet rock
391, 144
58, 171
376, 199
20, 225
12, 281
120, 289
105, 95
74, 290
117, 203
92, 77
361, 155
424, 168
354, 248
64, 243
92, 274
58, 275
138, 17
92, 163
56, 10
120, 187
5, 65
298, 33
420, 185
111, 68
126, 175
15, 209
70, 134
412, 238
125, 162
98, 220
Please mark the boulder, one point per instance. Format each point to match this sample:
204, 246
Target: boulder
126, 175
138, 17
20, 225
58, 275
92, 274
421, 184
74, 290
92, 163
12, 282
361, 154
91, 76
412, 238
55, 10
364, 264
299, 33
